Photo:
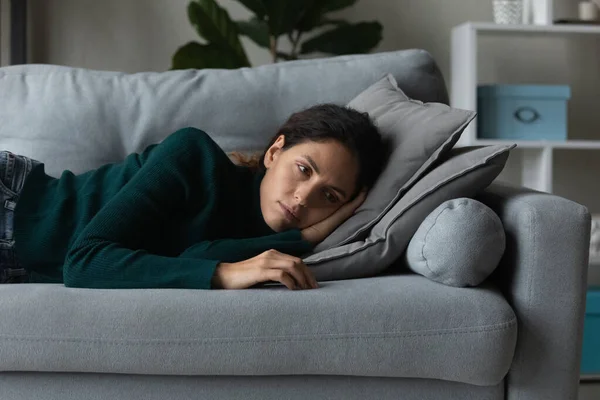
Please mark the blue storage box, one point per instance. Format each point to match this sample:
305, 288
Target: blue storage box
590, 357
522, 112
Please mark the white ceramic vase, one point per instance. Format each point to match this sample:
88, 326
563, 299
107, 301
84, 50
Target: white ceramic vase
538, 12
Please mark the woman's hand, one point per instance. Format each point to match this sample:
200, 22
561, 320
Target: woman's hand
270, 265
318, 232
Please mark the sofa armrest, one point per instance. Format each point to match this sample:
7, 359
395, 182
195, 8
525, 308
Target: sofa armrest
543, 275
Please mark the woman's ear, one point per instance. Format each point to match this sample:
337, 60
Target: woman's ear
274, 151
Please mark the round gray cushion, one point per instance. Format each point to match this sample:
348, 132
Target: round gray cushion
459, 244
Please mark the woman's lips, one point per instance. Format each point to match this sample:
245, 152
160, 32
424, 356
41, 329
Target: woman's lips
287, 213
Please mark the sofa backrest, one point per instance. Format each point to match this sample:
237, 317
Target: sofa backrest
79, 119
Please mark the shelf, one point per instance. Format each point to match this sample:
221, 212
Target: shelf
590, 377
490, 27
535, 144
536, 157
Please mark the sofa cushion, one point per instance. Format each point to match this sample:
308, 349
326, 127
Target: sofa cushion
459, 244
417, 134
392, 326
464, 172
79, 119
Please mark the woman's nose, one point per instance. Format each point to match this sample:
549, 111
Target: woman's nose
303, 195
301, 199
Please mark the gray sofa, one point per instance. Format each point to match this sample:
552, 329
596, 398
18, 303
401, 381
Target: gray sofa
397, 335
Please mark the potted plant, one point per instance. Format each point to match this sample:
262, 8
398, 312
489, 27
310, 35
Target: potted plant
272, 20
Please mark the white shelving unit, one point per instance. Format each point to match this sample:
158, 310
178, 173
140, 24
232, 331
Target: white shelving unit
537, 156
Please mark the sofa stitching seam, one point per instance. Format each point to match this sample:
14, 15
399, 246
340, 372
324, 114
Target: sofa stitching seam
448, 207
497, 327
530, 264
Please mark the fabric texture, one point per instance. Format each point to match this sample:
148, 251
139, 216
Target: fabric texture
390, 326
92, 386
464, 172
417, 134
86, 118
459, 244
164, 218
544, 277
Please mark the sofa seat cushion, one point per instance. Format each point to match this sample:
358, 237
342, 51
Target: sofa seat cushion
401, 325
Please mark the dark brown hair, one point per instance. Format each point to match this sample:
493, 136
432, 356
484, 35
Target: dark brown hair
324, 122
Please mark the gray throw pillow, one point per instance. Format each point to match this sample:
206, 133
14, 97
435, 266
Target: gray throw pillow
417, 134
459, 244
464, 172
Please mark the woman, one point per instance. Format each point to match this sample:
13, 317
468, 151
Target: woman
181, 214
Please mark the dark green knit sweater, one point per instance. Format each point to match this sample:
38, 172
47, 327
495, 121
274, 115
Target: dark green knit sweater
163, 218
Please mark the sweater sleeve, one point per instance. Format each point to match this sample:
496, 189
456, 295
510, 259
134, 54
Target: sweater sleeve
235, 250
108, 251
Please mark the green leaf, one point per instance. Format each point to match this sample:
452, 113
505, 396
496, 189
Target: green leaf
198, 56
311, 18
334, 5
256, 6
346, 39
214, 24
283, 15
256, 30
327, 21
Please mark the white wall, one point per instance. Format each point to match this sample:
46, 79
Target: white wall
136, 35
123, 35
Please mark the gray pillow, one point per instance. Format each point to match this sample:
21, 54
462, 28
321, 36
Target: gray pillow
417, 134
464, 172
459, 244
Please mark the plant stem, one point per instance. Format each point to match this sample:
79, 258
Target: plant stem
295, 43
291, 39
273, 46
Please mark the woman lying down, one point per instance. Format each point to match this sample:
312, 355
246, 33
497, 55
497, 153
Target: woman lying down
182, 214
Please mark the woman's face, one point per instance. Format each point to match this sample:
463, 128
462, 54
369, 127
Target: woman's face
311, 179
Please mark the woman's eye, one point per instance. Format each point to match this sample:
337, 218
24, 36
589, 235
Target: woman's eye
331, 197
303, 169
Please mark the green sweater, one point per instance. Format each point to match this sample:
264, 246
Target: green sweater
163, 218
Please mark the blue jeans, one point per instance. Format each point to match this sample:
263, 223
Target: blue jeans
14, 169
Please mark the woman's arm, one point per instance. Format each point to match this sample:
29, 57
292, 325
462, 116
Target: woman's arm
108, 252
235, 250
108, 265
194, 268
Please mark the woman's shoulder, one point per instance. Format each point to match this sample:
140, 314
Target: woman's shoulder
189, 136
194, 144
